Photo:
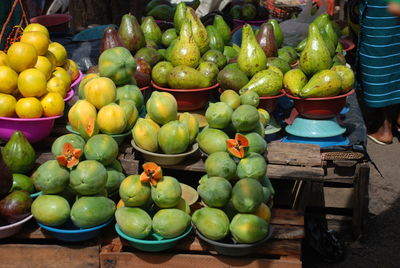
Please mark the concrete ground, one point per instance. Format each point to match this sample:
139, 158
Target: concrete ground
380, 244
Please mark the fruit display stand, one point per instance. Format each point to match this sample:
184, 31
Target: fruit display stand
331, 184
282, 250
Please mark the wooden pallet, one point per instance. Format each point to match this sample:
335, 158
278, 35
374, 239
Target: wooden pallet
282, 251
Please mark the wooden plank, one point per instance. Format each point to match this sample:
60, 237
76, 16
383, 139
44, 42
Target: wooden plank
339, 197
272, 247
287, 216
148, 260
49, 256
295, 172
361, 199
293, 154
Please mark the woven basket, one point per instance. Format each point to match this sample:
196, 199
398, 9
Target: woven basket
281, 12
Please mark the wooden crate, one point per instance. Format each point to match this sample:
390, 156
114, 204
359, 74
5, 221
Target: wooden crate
283, 250
305, 180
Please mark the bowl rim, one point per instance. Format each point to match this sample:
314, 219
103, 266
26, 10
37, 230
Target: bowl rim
71, 130
15, 224
144, 88
152, 242
250, 21
288, 94
77, 231
70, 94
238, 245
282, 93
31, 119
77, 80
195, 147
184, 90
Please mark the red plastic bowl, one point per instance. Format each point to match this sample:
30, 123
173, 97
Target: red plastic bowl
57, 23
269, 103
347, 44
320, 108
189, 99
144, 88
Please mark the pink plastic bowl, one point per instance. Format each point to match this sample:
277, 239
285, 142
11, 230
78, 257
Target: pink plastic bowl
76, 82
34, 129
189, 99
69, 95
12, 229
320, 108
55, 22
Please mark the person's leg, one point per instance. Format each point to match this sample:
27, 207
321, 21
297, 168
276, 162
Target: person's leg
384, 133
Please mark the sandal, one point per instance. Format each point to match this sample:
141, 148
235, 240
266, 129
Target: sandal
378, 141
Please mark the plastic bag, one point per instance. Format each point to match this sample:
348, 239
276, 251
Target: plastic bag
295, 30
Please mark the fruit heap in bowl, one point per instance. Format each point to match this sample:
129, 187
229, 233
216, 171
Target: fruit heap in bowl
15, 204
236, 193
234, 114
151, 203
194, 57
75, 184
322, 70
19, 156
162, 130
109, 101
260, 64
36, 75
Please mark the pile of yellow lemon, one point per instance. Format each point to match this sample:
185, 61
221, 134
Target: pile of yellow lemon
35, 75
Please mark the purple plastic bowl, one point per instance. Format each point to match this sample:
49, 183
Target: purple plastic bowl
12, 229
34, 129
239, 23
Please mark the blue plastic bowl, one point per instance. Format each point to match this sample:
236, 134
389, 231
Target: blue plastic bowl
71, 233
322, 142
119, 138
34, 195
315, 128
154, 243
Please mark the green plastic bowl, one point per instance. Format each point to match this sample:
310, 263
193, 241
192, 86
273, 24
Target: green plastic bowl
119, 138
154, 243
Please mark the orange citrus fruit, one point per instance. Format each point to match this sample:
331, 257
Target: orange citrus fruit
8, 78
59, 52
37, 39
44, 65
36, 27
7, 105
57, 85
21, 56
50, 56
32, 83
3, 59
29, 108
71, 67
63, 74
52, 104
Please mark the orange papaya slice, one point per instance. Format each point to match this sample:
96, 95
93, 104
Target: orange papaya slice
151, 173
239, 146
69, 156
